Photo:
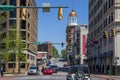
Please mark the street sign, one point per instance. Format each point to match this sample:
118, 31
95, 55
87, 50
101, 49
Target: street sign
37, 43
46, 7
7, 7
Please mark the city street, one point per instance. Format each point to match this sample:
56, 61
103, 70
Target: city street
59, 40
56, 76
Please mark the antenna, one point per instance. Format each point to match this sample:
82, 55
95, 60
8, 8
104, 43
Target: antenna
72, 5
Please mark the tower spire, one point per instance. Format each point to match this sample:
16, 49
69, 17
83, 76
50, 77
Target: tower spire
72, 20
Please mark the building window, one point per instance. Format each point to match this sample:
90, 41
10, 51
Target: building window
69, 49
22, 2
11, 65
3, 25
12, 24
69, 40
110, 40
22, 65
23, 24
13, 14
69, 35
32, 58
69, 30
112, 17
23, 35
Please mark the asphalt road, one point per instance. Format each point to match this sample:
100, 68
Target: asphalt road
47, 77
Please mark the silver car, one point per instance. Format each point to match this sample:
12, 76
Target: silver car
33, 70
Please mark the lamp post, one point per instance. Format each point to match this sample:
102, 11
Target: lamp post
18, 58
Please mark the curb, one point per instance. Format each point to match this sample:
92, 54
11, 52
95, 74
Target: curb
107, 77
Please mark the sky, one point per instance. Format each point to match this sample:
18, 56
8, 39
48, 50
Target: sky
53, 30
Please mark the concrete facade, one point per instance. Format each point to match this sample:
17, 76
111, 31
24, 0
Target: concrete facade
70, 36
103, 53
48, 47
25, 21
81, 42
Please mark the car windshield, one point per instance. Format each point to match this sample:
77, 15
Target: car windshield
73, 69
33, 68
84, 69
53, 66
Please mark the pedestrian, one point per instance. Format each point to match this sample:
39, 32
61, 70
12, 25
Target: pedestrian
1, 71
42, 70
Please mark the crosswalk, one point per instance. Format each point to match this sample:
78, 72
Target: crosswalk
43, 77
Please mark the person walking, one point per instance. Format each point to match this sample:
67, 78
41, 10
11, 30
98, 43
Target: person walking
1, 71
42, 70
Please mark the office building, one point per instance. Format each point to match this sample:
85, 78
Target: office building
70, 35
47, 47
25, 22
80, 47
104, 36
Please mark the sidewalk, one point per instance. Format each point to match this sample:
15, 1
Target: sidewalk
106, 77
14, 74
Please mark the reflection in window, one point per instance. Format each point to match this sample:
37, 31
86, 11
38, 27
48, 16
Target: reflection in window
23, 34
22, 65
13, 14
23, 24
12, 24
11, 65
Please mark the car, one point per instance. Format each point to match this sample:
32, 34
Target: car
47, 71
48, 63
54, 68
66, 65
33, 70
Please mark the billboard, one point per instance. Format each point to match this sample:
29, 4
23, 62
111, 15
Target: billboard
84, 44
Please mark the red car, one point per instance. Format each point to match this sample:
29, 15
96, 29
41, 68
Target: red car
47, 71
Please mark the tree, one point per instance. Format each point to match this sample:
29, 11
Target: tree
13, 47
63, 52
55, 53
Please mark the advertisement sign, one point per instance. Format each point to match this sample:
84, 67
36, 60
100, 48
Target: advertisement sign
84, 44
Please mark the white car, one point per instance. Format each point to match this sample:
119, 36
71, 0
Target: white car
33, 70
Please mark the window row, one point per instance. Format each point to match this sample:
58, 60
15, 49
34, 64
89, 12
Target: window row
108, 20
103, 10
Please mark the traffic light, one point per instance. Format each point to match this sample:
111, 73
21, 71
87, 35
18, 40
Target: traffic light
114, 32
23, 13
62, 44
60, 13
105, 35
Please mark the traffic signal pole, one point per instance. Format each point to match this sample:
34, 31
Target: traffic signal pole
45, 8
9, 7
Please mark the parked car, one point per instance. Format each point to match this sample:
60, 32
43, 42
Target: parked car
47, 71
54, 68
66, 65
33, 70
48, 63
